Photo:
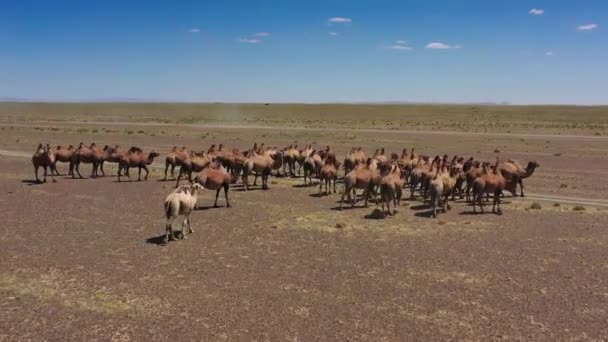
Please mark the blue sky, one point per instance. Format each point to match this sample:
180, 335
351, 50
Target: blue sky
306, 51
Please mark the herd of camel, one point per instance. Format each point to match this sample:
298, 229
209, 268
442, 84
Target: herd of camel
437, 179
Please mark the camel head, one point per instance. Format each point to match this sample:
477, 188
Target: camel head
394, 156
532, 165
183, 148
70, 148
93, 145
196, 188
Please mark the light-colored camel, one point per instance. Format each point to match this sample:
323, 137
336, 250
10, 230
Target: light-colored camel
215, 177
421, 175
329, 174
391, 186
363, 177
512, 169
135, 157
305, 153
175, 158
492, 183
196, 163
63, 155
260, 164
312, 167
43, 157
180, 202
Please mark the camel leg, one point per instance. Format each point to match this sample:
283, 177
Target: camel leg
52, 175
168, 232
36, 172
44, 179
226, 188
320, 188
147, 172
166, 169
139, 173
103, 174
255, 180
78, 170
217, 194
189, 224
179, 176
127, 168
521, 185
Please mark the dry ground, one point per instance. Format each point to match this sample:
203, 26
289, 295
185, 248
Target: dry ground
80, 259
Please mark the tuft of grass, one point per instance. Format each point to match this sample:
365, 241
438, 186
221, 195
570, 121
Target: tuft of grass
557, 154
82, 130
130, 132
340, 225
597, 133
141, 132
556, 204
496, 151
95, 130
535, 206
563, 186
579, 208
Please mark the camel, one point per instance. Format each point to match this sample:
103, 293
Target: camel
215, 177
492, 183
475, 171
43, 157
512, 169
312, 166
290, 156
441, 186
135, 157
364, 177
305, 153
63, 155
421, 175
328, 174
180, 202
175, 158
391, 186
196, 163
88, 155
261, 164
112, 155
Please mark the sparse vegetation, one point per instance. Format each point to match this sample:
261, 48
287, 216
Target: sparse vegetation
579, 208
535, 206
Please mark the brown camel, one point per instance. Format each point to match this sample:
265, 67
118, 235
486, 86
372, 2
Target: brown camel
112, 155
196, 163
63, 155
43, 157
135, 157
329, 174
512, 169
175, 158
215, 177
391, 186
441, 186
290, 157
88, 155
260, 164
492, 182
364, 177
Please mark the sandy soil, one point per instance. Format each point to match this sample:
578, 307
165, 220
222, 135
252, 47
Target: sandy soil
81, 259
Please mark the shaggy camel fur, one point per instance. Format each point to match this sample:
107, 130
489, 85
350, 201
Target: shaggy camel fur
175, 158
135, 157
45, 158
491, 183
391, 186
305, 153
63, 155
260, 164
328, 174
364, 177
180, 202
215, 177
88, 155
196, 163
512, 169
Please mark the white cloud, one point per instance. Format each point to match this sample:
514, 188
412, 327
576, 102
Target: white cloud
340, 20
249, 41
262, 34
549, 53
332, 34
441, 46
537, 11
588, 27
194, 30
399, 47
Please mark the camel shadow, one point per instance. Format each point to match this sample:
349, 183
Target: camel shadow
420, 207
157, 240
427, 214
31, 182
204, 207
376, 214
303, 185
319, 195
